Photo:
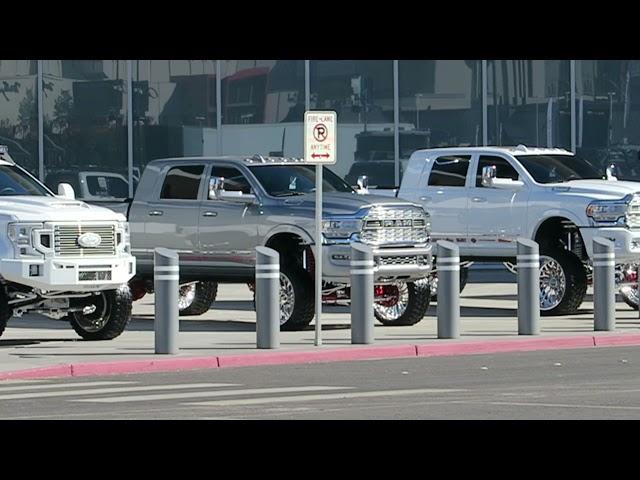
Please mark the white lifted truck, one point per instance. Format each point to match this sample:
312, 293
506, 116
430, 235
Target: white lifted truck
483, 198
61, 257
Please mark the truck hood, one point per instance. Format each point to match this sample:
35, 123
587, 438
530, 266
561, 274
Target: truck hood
334, 204
48, 209
597, 189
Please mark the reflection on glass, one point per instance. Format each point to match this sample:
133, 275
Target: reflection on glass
174, 109
608, 115
262, 107
361, 92
84, 105
529, 102
19, 111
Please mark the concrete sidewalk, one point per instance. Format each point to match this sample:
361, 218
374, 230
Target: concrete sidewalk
488, 312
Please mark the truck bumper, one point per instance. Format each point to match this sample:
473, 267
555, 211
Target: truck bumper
627, 242
73, 274
407, 264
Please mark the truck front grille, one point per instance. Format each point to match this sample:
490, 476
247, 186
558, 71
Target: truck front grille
66, 240
393, 226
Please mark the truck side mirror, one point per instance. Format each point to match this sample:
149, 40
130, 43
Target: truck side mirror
66, 191
363, 184
488, 174
611, 172
216, 185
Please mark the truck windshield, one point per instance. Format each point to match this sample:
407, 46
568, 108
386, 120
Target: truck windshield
15, 181
558, 168
290, 180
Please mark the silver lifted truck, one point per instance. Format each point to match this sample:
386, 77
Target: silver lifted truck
215, 211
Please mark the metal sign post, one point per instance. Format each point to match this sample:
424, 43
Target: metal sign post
319, 149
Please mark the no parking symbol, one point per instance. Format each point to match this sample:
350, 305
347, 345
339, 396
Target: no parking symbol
320, 137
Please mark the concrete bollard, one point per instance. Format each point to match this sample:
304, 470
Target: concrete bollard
361, 294
448, 311
166, 274
604, 294
267, 298
528, 287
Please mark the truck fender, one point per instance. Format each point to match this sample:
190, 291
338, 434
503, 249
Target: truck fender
294, 229
553, 213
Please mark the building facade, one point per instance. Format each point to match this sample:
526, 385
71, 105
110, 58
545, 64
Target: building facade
64, 119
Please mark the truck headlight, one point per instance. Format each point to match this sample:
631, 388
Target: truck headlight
608, 211
124, 238
21, 234
340, 228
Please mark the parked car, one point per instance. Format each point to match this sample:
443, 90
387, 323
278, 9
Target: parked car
484, 198
215, 210
61, 257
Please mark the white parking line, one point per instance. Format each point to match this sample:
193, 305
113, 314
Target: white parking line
58, 385
329, 396
221, 393
96, 391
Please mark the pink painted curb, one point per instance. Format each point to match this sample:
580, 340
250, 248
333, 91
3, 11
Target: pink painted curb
333, 355
444, 348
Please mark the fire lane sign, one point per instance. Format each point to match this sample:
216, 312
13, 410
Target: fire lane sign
320, 137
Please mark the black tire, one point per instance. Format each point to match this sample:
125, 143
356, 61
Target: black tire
113, 306
206, 293
303, 297
464, 277
418, 304
575, 279
5, 310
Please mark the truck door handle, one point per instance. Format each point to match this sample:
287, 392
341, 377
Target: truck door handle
155, 213
425, 199
210, 214
478, 199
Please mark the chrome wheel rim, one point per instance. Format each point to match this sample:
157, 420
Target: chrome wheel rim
631, 293
553, 283
186, 295
287, 299
395, 311
95, 321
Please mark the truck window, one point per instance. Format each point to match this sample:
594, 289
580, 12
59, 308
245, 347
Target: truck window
449, 171
107, 186
182, 183
234, 181
503, 168
15, 181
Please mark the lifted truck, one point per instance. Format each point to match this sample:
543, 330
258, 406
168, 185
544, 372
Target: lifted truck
484, 198
61, 257
215, 210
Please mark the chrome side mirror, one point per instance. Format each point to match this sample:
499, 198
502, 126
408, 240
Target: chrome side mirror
363, 184
488, 174
216, 185
611, 172
65, 190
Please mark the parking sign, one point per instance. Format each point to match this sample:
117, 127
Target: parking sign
320, 137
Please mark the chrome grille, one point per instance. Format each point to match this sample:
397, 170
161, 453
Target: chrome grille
633, 212
66, 240
384, 225
402, 260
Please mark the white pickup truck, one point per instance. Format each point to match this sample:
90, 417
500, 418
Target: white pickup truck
483, 198
61, 257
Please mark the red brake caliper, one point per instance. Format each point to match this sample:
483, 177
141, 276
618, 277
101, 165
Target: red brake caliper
386, 295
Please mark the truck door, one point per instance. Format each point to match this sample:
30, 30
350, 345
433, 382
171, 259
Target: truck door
496, 215
228, 230
445, 198
171, 217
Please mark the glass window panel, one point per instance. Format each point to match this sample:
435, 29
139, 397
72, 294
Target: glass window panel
503, 168
234, 180
449, 171
85, 119
608, 115
263, 107
174, 110
529, 102
182, 183
361, 92
19, 111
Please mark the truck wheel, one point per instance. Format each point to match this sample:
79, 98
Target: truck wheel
563, 282
402, 303
296, 298
433, 282
196, 298
110, 317
5, 310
